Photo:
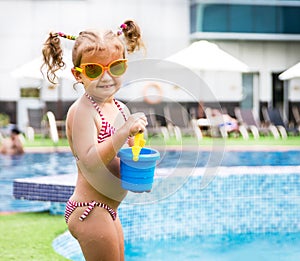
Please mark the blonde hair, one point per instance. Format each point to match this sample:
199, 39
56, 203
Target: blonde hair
89, 41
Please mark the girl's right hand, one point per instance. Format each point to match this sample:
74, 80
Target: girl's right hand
136, 123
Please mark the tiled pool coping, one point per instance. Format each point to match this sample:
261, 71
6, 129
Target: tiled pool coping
56, 188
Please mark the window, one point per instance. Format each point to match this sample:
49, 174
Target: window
238, 18
30, 92
247, 101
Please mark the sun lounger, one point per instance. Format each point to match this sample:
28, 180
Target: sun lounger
179, 122
296, 114
247, 119
36, 121
224, 124
273, 116
154, 127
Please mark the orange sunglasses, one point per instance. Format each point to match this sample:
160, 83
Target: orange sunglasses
96, 70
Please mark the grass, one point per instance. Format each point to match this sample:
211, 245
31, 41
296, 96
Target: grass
29, 236
188, 141
231, 141
45, 142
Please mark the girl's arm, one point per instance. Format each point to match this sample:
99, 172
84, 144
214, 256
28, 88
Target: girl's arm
97, 161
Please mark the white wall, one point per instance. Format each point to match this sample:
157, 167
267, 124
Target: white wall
25, 26
294, 89
226, 86
266, 58
165, 25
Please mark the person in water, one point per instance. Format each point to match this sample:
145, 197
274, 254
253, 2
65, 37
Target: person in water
13, 145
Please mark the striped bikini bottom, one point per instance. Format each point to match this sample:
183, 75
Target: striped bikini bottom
72, 205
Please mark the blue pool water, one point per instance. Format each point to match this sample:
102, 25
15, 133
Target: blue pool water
249, 247
234, 247
230, 158
47, 164
251, 210
30, 165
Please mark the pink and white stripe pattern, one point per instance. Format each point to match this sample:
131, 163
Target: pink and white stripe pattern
107, 129
72, 205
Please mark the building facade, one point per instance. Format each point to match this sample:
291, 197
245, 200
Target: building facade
263, 34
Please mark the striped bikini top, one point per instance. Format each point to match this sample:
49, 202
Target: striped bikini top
107, 129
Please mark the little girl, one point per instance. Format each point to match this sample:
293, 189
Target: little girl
97, 127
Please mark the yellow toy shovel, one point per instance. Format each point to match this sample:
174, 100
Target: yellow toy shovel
139, 143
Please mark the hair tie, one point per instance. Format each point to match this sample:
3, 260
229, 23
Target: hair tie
121, 28
70, 37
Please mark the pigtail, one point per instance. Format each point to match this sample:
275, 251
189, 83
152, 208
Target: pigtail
132, 35
53, 55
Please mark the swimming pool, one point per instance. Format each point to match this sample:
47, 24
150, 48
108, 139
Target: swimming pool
252, 203
246, 247
235, 247
30, 165
49, 164
248, 212
230, 158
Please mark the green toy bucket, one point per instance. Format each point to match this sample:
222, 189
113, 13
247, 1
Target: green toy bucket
138, 175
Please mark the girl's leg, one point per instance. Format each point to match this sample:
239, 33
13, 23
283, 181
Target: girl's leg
98, 235
121, 238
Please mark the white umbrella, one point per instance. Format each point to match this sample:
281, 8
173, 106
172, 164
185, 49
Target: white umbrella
32, 70
206, 56
292, 72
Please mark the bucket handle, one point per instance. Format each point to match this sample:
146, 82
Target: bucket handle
139, 143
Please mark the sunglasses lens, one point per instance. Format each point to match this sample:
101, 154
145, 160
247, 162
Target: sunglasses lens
118, 68
93, 70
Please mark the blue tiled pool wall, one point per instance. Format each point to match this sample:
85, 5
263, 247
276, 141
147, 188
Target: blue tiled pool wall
42, 192
248, 203
233, 204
